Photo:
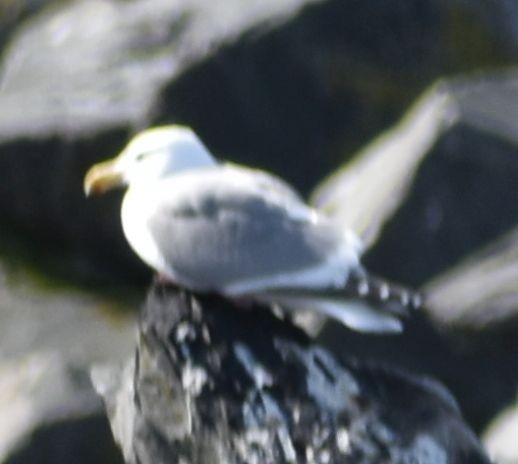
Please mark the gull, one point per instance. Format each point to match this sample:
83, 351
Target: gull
218, 227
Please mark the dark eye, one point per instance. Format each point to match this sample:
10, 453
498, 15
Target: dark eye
144, 153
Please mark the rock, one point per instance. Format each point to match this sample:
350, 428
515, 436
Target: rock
500, 437
502, 18
86, 328
366, 193
434, 186
144, 44
480, 293
213, 383
49, 336
13, 13
49, 413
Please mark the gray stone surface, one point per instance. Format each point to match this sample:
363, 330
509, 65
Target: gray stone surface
480, 292
84, 327
13, 13
49, 413
49, 336
105, 61
500, 437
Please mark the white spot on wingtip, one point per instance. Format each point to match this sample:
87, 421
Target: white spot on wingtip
417, 301
296, 414
363, 288
384, 291
206, 335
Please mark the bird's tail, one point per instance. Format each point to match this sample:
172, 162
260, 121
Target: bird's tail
365, 303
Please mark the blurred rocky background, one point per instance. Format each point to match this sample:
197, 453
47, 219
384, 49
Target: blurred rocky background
399, 119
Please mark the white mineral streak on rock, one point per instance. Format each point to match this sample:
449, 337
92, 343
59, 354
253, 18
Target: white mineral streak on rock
256, 371
193, 379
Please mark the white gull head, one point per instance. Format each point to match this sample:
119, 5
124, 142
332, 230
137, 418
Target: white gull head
150, 156
161, 152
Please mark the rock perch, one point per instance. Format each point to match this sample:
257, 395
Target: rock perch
213, 383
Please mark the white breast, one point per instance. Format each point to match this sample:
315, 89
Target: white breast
138, 205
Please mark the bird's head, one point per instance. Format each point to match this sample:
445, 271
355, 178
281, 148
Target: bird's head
151, 155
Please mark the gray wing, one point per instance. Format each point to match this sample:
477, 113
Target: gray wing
222, 226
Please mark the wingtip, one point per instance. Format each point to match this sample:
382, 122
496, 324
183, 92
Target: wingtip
416, 301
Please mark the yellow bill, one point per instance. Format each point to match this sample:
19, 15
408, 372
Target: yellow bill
102, 177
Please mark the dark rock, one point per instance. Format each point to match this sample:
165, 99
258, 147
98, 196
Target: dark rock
71, 441
215, 383
479, 368
41, 197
